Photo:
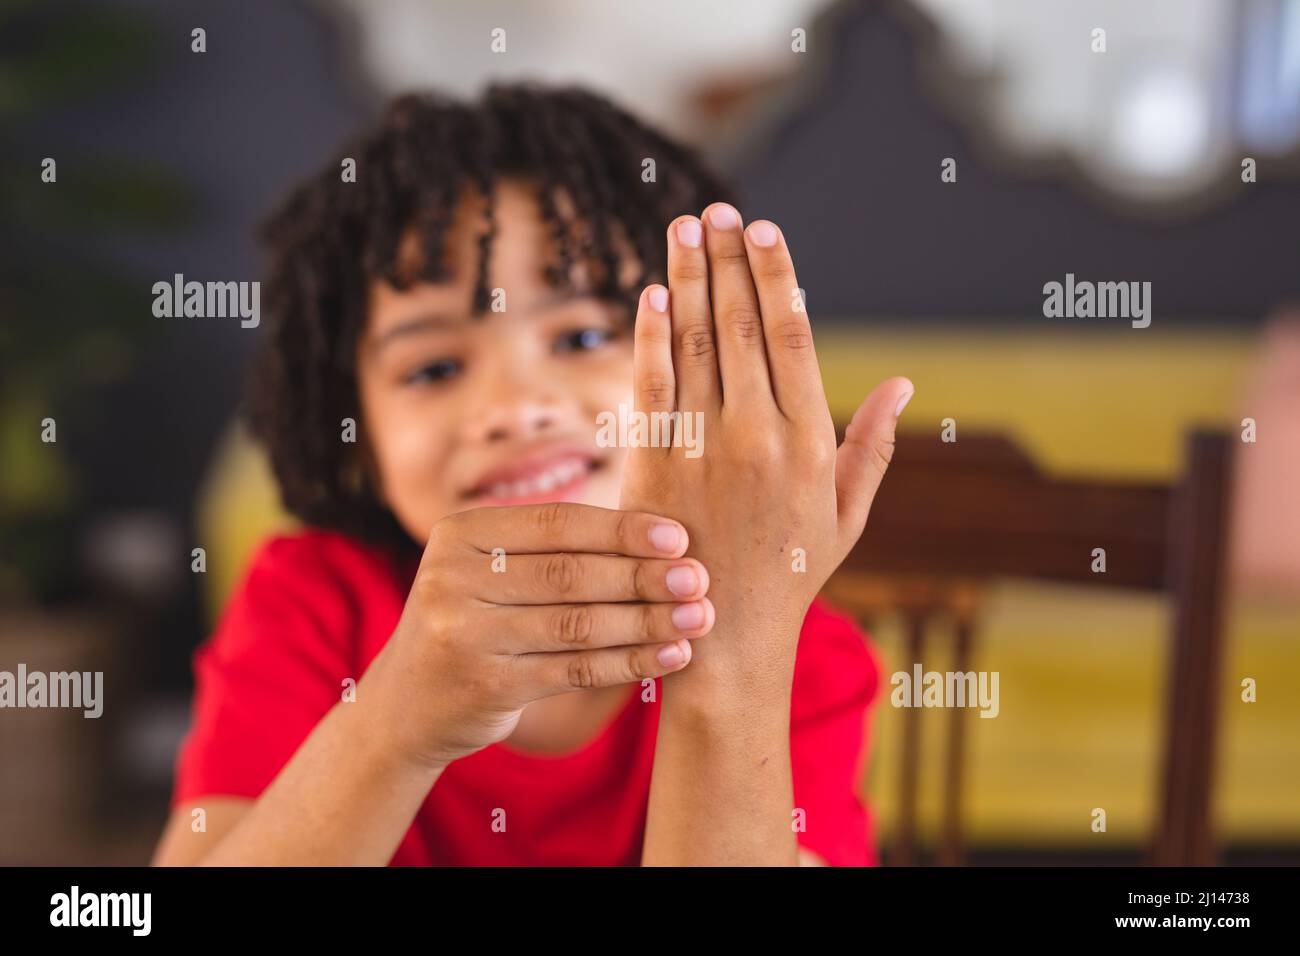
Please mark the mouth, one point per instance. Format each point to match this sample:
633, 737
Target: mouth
556, 476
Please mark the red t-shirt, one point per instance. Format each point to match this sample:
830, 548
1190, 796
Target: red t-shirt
316, 607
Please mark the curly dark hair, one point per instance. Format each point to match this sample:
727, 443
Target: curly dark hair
329, 239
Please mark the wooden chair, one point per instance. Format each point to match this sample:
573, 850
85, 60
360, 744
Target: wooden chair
951, 516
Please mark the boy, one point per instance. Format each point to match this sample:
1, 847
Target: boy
501, 641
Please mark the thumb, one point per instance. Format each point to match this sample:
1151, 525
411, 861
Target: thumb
861, 462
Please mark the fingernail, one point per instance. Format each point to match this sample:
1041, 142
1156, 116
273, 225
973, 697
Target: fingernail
762, 234
666, 538
683, 580
902, 403
659, 299
688, 617
670, 655
688, 233
723, 217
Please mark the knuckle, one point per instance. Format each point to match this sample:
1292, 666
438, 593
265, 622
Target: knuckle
625, 528
427, 589
573, 625
794, 334
656, 334
819, 455
744, 322
636, 665
638, 586
424, 587
776, 271
442, 534
645, 622
691, 268
657, 390
559, 573
764, 449
552, 518
581, 672
442, 631
696, 342
730, 254
437, 648
882, 450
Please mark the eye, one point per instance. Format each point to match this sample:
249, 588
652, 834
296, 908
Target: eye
582, 340
434, 372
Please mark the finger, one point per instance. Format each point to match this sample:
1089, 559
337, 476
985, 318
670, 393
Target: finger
796, 377
567, 526
548, 674
571, 627
738, 324
695, 354
571, 578
863, 458
653, 383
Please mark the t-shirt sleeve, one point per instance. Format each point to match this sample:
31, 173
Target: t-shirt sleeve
267, 675
837, 675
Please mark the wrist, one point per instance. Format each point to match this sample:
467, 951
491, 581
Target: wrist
744, 658
718, 685
381, 747
726, 714
388, 734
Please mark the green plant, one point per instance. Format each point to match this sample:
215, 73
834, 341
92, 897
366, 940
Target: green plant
70, 322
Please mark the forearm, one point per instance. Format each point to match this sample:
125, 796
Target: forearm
721, 791
344, 799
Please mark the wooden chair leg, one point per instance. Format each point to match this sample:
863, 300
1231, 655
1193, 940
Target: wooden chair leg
1198, 540
951, 847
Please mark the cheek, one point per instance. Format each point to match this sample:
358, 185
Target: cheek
611, 384
409, 446
411, 443
605, 391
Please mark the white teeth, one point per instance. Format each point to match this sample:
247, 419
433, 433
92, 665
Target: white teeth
555, 477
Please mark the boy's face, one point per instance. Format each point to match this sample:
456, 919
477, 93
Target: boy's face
464, 412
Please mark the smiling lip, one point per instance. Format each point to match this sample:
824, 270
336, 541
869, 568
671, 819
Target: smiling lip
557, 475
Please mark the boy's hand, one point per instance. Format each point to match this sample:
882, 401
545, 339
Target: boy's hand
577, 596
730, 339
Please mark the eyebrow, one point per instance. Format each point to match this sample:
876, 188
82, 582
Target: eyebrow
426, 322
435, 321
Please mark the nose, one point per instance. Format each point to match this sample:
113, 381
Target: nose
515, 408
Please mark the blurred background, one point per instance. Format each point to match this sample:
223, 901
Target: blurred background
1119, 165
